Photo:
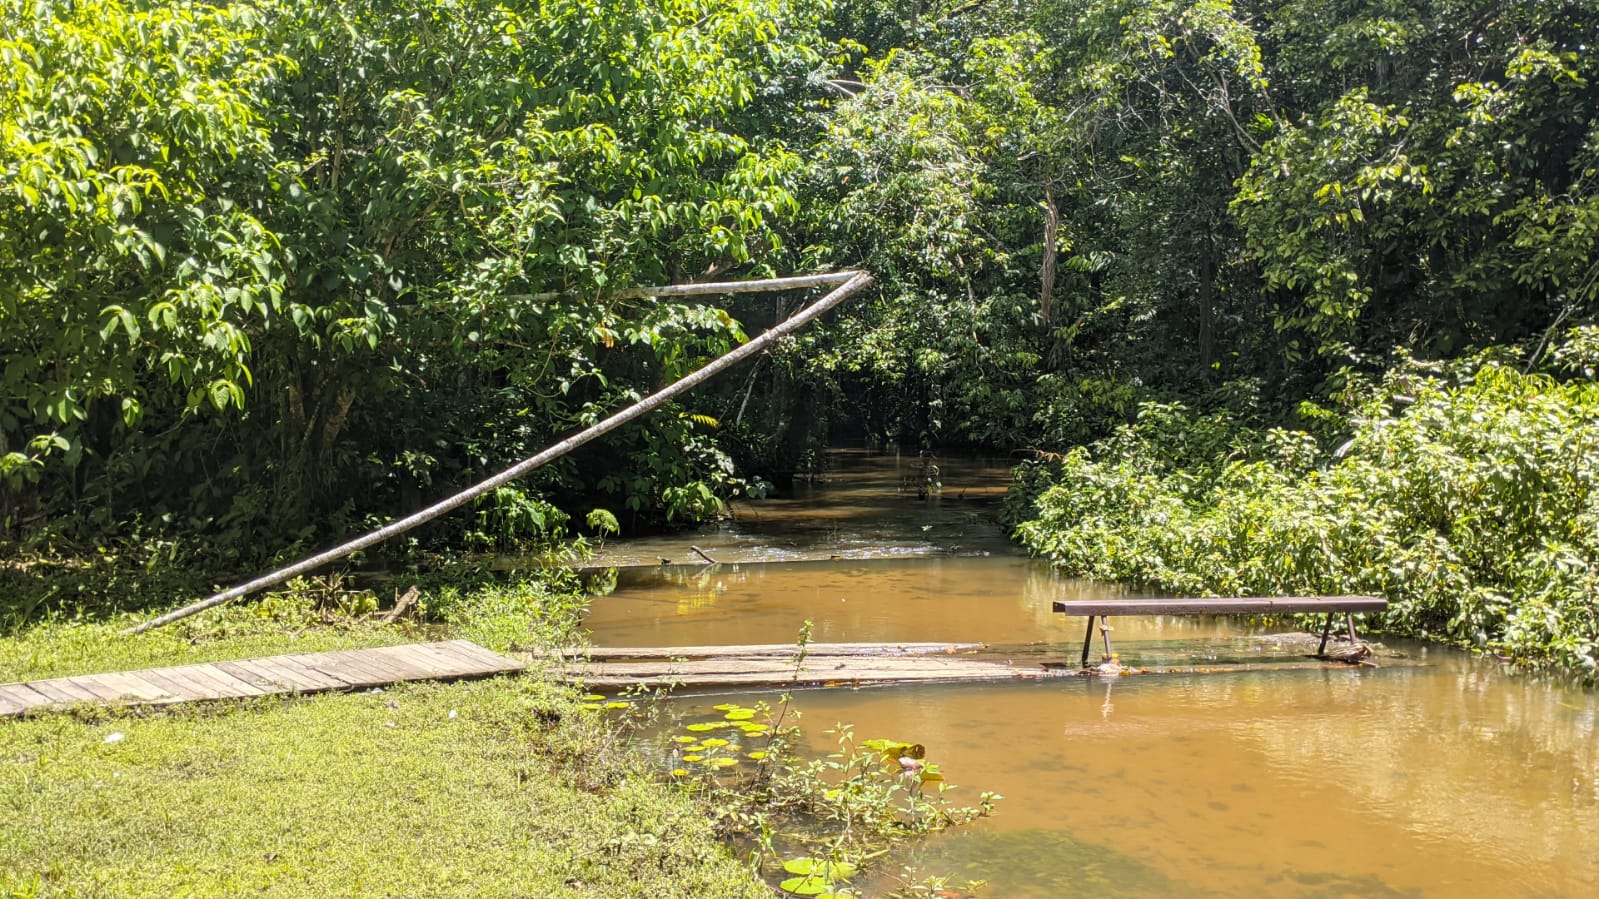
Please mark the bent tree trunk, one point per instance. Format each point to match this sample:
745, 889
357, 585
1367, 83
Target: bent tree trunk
849, 283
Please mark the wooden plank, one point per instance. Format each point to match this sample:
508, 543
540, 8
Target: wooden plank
18, 698
487, 657
129, 686
729, 671
304, 672
189, 683
373, 672
61, 691
429, 663
407, 664
268, 673
95, 684
244, 671
456, 663
301, 675
1248, 605
217, 684
177, 692
238, 686
425, 662
441, 663
352, 673
783, 650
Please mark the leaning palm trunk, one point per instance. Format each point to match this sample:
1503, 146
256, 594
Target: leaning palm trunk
849, 282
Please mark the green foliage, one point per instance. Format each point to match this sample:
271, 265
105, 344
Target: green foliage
271, 263
1466, 496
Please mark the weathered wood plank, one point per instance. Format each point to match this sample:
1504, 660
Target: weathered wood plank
769, 671
176, 691
235, 686
301, 673
1247, 605
18, 698
62, 691
437, 655
105, 691
301, 676
756, 650
471, 650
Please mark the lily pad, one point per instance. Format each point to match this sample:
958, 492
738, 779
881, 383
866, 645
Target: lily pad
616, 704
693, 758
725, 707
821, 867
805, 886
591, 707
702, 728
757, 756
740, 715
592, 697
715, 741
721, 762
681, 739
680, 772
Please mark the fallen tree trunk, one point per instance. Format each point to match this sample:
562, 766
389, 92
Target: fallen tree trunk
849, 283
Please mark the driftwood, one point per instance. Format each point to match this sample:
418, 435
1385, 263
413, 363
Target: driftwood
705, 555
405, 602
848, 282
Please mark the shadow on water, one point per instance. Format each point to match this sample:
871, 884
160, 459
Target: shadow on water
1435, 775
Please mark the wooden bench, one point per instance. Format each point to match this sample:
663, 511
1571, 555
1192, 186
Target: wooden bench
1248, 605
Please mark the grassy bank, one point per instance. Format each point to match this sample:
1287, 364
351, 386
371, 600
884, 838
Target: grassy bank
493, 788
1466, 497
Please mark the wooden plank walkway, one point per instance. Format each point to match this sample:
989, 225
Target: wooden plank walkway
305, 673
825, 664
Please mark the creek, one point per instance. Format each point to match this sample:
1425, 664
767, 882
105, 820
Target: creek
1247, 772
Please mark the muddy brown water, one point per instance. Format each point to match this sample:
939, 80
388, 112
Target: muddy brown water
1250, 772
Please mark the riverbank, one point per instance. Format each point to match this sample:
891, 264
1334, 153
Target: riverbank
1464, 496
503, 787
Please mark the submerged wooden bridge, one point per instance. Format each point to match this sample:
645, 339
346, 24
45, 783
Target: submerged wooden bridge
764, 665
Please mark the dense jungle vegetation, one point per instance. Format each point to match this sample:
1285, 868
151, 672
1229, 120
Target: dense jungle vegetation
1284, 294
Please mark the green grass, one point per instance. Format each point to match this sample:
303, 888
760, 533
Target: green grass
517, 793
371, 794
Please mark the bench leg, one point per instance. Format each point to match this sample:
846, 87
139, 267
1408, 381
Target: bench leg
1088, 640
1326, 631
1349, 619
1104, 632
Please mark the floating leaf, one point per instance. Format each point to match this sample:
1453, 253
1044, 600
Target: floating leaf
616, 704
740, 715
593, 697
805, 886
591, 707
725, 707
693, 758
681, 739
715, 742
722, 762
701, 728
753, 729
821, 867
680, 772
757, 756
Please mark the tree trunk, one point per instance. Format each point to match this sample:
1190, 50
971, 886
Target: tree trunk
1046, 292
1207, 307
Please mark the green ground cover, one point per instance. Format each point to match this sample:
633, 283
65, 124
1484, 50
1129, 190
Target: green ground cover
503, 787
